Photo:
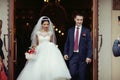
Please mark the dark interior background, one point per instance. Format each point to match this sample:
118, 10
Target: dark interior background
27, 13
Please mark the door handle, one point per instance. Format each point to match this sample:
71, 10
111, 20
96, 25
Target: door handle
101, 41
95, 53
15, 59
5, 42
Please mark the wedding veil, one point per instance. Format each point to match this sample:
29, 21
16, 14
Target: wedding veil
38, 27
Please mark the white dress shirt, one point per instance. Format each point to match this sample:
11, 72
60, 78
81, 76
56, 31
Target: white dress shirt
80, 27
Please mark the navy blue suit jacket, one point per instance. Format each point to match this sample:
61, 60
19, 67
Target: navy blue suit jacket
85, 43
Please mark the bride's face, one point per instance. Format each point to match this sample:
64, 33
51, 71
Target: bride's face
45, 25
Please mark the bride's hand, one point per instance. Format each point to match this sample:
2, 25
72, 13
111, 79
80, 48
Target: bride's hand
66, 57
33, 47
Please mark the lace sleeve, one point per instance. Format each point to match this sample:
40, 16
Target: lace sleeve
34, 41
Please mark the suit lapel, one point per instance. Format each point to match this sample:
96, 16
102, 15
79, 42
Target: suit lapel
72, 34
82, 31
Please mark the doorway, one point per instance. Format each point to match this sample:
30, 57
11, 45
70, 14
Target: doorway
26, 14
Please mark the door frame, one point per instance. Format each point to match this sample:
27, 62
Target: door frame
95, 39
11, 47
11, 44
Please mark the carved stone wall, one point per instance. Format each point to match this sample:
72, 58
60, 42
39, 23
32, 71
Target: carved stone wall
104, 22
4, 18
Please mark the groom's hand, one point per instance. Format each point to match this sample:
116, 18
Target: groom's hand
88, 60
66, 57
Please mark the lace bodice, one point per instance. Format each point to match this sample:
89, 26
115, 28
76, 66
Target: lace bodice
44, 36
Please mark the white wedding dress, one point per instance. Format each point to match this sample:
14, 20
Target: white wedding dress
48, 63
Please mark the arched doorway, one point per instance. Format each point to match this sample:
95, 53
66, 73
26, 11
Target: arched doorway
30, 13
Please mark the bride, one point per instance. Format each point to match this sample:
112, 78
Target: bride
47, 62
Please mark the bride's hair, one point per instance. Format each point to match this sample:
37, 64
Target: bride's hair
45, 19
38, 27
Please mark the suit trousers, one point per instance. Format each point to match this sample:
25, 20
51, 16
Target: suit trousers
77, 67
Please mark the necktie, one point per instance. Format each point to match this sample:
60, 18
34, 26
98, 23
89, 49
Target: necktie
76, 40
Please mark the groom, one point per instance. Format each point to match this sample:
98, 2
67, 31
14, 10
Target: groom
78, 48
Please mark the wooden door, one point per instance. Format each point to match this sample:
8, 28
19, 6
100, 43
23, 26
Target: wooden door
95, 39
11, 47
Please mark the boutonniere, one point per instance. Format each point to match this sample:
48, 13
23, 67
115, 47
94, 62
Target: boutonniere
83, 34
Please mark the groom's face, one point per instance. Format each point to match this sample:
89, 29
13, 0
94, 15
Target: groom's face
78, 20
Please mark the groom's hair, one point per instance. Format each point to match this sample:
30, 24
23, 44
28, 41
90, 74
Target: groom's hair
75, 13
